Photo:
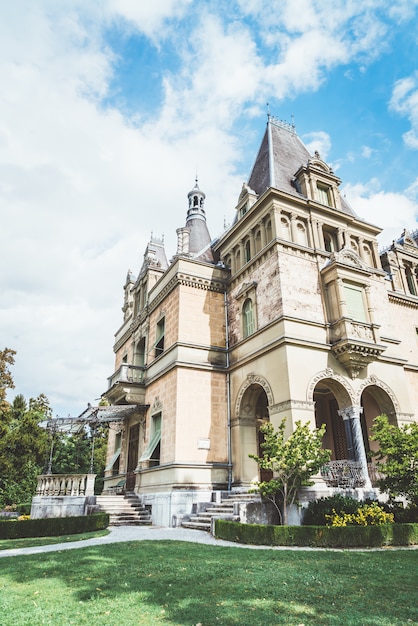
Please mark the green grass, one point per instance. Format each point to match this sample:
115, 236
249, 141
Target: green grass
183, 584
31, 542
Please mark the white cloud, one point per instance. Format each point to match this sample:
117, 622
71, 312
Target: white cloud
367, 152
318, 141
405, 101
82, 186
390, 211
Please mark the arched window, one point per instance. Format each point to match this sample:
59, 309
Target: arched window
248, 317
410, 280
257, 241
269, 235
237, 260
301, 234
247, 251
285, 229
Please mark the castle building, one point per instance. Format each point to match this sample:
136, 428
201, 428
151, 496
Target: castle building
292, 313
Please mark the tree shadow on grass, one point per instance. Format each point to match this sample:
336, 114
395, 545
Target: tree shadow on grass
181, 583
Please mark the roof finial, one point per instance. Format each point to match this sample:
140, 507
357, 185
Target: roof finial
293, 120
268, 110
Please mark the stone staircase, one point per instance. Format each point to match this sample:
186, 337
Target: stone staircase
124, 510
227, 508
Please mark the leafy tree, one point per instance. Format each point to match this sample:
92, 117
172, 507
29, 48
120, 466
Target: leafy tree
6, 380
397, 458
293, 462
72, 453
23, 448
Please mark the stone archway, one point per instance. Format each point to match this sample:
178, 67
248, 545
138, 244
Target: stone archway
376, 399
330, 398
251, 411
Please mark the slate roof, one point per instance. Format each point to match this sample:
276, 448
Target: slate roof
200, 240
280, 156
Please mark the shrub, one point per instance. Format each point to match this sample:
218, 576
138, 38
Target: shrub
366, 515
53, 526
402, 515
24, 508
318, 536
317, 511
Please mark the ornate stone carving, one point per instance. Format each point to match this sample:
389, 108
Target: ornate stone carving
355, 356
384, 406
253, 379
329, 374
157, 407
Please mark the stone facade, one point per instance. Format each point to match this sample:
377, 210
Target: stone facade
291, 314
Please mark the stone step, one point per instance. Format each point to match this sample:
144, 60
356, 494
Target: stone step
196, 525
124, 511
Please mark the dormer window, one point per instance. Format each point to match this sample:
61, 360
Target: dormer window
324, 194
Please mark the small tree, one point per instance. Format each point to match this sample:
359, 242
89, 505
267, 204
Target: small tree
397, 458
293, 462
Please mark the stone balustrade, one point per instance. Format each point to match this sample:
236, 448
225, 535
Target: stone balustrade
65, 485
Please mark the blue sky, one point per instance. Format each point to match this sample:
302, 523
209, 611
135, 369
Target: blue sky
109, 109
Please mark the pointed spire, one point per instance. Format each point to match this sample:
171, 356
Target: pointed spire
194, 240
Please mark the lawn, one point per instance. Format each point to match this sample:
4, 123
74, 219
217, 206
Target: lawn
11, 544
178, 584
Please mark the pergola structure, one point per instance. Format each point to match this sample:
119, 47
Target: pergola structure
91, 418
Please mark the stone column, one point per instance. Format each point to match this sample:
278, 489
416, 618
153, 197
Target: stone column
293, 229
352, 415
340, 238
263, 233
320, 232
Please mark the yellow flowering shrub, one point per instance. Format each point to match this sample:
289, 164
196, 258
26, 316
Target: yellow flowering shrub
366, 515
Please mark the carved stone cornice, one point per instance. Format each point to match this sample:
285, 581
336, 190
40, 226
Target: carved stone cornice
356, 355
289, 405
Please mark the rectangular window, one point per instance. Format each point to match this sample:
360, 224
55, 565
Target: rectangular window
114, 461
355, 303
323, 194
248, 317
159, 343
153, 450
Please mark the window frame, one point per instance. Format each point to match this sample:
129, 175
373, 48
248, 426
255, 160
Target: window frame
248, 321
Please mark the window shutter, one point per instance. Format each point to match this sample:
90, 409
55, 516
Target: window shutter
355, 303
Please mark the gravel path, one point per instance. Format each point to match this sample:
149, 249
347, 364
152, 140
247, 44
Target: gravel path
141, 533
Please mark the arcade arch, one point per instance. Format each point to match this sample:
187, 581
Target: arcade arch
349, 418
252, 411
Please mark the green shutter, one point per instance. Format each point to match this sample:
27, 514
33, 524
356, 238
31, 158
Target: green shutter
113, 460
146, 455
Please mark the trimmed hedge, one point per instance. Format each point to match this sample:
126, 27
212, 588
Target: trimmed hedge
53, 526
318, 536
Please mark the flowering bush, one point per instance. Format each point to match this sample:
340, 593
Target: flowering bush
366, 515
22, 518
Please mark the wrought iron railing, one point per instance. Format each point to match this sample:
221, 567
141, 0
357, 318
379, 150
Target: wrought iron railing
347, 474
344, 474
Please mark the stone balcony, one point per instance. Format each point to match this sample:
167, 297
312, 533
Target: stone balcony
355, 344
126, 385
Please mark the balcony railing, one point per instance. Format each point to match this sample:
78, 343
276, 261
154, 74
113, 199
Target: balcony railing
127, 374
65, 485
346, 474
343, 474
